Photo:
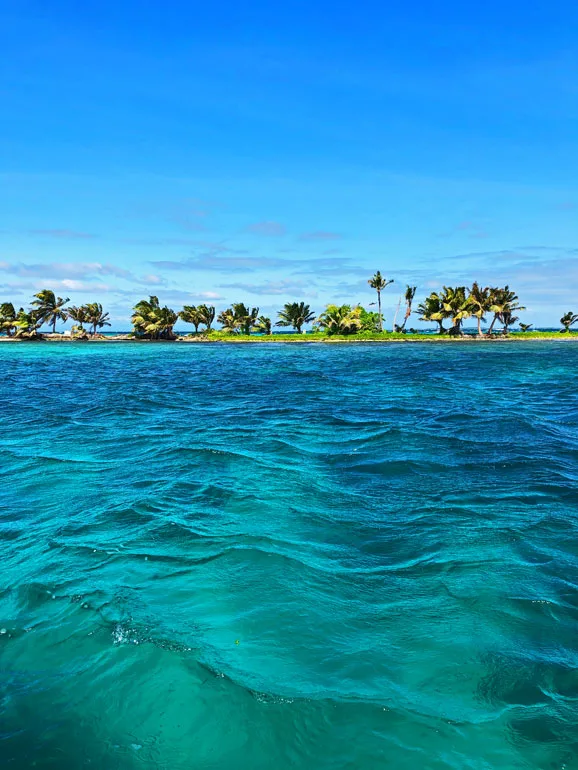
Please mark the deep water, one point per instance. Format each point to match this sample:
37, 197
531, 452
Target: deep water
326, 557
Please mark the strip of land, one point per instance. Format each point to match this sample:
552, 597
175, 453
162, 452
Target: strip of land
304, 339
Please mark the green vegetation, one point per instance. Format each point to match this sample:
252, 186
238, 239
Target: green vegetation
448, 309
152, 321
379, 283
567, 320
50, 308
8, 319
91, 314
340, 319
409, 297
264, 325
201, 315
295, 314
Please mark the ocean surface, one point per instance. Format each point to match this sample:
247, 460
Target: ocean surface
323, 557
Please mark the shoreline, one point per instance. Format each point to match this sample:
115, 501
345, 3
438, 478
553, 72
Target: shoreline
303, 340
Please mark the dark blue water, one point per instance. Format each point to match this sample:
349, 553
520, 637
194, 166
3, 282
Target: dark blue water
289, 557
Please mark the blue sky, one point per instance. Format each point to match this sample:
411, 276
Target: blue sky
264, 152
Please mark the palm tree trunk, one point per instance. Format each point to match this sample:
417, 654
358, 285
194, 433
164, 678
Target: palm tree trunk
379, 308
494, 319
407, 315
54, 325
479, 326
395, 316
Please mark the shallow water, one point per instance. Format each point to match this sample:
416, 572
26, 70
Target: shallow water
289, 557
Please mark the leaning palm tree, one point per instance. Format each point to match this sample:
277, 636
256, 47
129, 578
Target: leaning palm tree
409, 295
27, 323
503, 300
508, 319
340, 319
7, 318
192, 315
432, 309
295, 314
228, 321
78, 314
246, 317
96, 316
480, 301
50, 308
153, 321
568, 320
379, 283
207, 315
144, 316
264, 325
166, 319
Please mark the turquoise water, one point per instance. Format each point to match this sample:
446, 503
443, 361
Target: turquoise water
289, 557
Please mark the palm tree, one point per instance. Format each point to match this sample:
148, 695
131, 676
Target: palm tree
50, 308
264, 325
245, 317
409, 295
502, 301
480, 301
207, 314
295, 314
568, 320
525, 327
7, 318
192, 315
78, 314
27, 323
96, 317
144, 316
456, 306
167, 318
340, 319
508, 319
379, 283
228, 321
154, 321
431, 309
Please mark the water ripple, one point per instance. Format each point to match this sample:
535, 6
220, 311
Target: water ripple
345, 558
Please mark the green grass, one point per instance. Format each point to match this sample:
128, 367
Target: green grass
219, 336
321, 337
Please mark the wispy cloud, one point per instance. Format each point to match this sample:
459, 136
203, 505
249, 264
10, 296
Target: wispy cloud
352, 289
185, 297
76, 271
239, 262
69, 284
64, 269
267, 228
274, 288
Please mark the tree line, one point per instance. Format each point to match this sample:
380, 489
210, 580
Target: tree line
448, 308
